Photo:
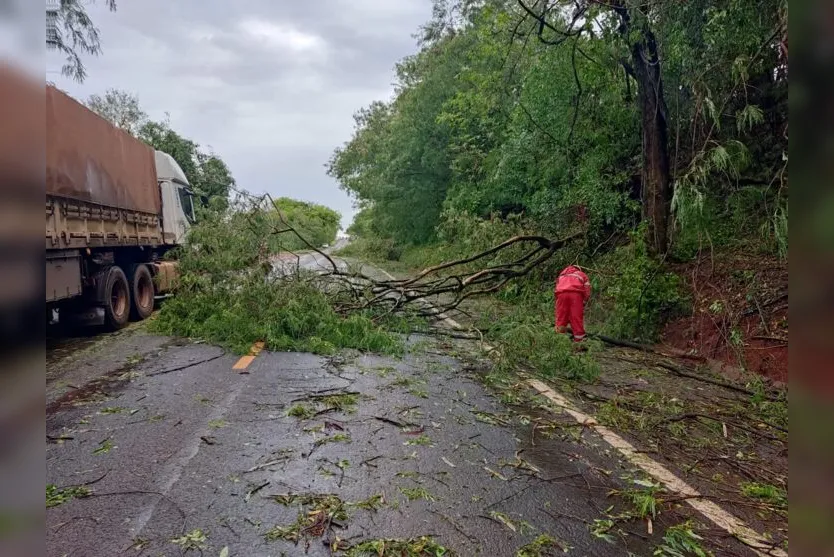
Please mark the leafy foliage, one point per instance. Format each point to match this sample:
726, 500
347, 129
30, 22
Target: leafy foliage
121, 108
681, 541
207, 174
641, 294
74, 35
56, 496
767, 493
230, 293
493, 117
424, 546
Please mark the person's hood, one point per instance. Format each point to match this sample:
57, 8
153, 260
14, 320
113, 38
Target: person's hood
571, 269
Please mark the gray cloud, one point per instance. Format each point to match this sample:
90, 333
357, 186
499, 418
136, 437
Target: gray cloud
270, 85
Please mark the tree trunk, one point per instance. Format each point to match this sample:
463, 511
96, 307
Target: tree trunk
656, 191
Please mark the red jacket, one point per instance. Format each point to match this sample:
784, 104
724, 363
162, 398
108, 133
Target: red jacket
572, 279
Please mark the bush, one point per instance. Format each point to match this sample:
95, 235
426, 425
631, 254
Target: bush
640, 295
230, 294
527, 339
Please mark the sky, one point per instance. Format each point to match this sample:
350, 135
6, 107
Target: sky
269, 85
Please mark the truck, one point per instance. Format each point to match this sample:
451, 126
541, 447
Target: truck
114, 208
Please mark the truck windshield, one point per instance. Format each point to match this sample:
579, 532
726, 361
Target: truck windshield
187, 205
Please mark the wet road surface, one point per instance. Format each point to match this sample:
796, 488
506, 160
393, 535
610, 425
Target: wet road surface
170, 439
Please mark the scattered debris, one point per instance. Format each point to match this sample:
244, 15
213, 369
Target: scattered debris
323, 511
301, 411
104, 447
414, 493
421, 440
503, 519
58, 496
337, 438
491, 419
413, 547
195, 539
681, 540
495, 474
542, 546
254, 489
601, 528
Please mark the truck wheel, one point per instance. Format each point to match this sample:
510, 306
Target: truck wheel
142, 292
116, 298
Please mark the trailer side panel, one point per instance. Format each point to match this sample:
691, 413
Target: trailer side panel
90, 160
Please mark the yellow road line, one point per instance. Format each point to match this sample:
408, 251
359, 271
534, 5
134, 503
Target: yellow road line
244, 361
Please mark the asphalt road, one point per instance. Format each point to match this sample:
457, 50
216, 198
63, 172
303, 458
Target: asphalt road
169, 440
205, 447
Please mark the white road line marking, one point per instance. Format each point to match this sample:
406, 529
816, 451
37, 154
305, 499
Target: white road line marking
718, 516
709, 509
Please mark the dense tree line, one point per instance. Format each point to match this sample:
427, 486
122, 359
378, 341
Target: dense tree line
315, 223
605, 114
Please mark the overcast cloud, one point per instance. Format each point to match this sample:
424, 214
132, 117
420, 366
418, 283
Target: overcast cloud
270, 85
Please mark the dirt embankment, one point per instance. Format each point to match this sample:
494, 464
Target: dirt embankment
739, 313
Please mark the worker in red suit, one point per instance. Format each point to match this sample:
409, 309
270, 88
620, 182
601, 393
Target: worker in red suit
572, 290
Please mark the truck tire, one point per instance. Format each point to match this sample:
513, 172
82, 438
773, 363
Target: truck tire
116, 298
141, 292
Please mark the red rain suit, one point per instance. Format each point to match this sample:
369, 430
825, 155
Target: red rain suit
572, 291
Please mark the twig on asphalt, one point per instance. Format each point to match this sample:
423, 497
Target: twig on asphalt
254, 490
265, 465
186, 366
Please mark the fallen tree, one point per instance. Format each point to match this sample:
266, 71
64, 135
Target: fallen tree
435, 291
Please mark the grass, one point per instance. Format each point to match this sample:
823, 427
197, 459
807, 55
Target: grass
680, 541
103, 447
58, 496
541, 546
403, 381
415, 493
301, 411
344, 402
643, 499
423, 546
421, 440
217, 424
338, 438
766, 493
419, 393
372, 503
194, 540
601, 528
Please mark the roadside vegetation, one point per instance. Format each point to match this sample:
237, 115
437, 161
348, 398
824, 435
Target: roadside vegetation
232, 292
517, 120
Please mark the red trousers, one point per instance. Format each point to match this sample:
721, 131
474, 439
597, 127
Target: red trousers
570, 310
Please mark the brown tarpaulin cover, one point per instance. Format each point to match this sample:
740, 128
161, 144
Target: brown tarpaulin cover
89, 159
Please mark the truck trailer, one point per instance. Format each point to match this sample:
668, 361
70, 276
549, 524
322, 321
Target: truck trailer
114, 208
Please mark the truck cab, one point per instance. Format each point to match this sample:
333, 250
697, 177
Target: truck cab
177, 199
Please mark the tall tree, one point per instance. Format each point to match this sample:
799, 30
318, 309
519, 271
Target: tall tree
120, 108
74, 34
566, 23
608, 113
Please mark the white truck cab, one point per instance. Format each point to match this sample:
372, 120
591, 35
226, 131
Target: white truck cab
177, 205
